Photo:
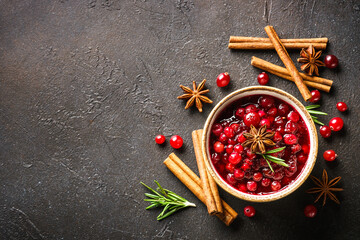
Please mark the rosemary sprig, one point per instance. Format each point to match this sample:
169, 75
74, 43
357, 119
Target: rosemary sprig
311, 111
167, 199
273, 159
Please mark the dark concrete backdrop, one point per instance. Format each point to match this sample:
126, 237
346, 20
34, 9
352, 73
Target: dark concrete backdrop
86, 85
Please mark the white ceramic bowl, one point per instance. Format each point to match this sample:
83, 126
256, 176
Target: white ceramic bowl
286, 97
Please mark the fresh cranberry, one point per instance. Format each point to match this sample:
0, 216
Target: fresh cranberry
225, 158
266, 122
230, 167
229, 148
325, 131
305, 148
271, 119
267, 173
331, 61
290, 139
265, 182
231, 141
238, 148
329, 155
245, 166
240, 113
275, 185
279, 121
231, 179
241, 138
295, 148
217, 129
160, 139
215, 157
218, 147
280, 129
336, 124
223, 138
250, 154
315, 96
302, 157
238, 173
341, 106
257, 176
263, 78
293, 116
223, 79
310, 211
242, 187
251, 186
266, 102
249, 161
252, 118
249, 211
286, 181
261, 113
176, 141
272, 112
283, 109
291, 127
278, 176
235, 127
277, 137
229, 132
235, 158
250, 108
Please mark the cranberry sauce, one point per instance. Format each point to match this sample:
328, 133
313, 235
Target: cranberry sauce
247, 171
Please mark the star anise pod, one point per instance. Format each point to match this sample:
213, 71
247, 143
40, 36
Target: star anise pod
325, 187
258, 139
195, 95
310, 59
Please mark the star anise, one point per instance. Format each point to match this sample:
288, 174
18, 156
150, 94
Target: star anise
195, 95
310, 59
258, 139
325, 187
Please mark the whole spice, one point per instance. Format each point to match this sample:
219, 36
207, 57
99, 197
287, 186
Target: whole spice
310, 59
258, 139
325, 187
195, 95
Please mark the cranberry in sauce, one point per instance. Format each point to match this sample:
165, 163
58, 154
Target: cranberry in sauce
247, 171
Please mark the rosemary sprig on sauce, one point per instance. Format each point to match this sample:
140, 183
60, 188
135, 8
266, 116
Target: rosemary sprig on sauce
312, 112
167, 199
273, 159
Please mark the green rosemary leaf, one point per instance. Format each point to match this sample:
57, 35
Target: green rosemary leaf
161, 189
317, 112
274, 159
312, 107
268, 163
313, 117
150, 189
168, 214
318, 122
275, 150
149, 195
152, 206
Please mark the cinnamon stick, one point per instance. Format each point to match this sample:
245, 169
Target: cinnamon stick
269, 45
237, 39
322, 84
285, 58
193, 182
208, 184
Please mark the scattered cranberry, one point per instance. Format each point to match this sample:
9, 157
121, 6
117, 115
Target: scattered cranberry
341, 106
218, 147
336, 124
325, 131
315, 96
160, 139
331, 61
239, 174
310, 211
293, 116
252, 118
275, 186
217, 129
249, 211
251, 186
329, 155
223, 79
176, 141
263, 78
235, 158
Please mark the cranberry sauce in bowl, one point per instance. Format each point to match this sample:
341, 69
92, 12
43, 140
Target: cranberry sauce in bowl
255, 120
245, 170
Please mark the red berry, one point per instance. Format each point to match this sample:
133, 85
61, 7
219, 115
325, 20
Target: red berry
229, 132
277, 137
249, 211
231, 141
257, 176
176, 141
302, 157
223, 138
315, 96
266, 122
238, 148
261, 113
250, 108
275, 185
241, 138
160, 139
252, 118
291, 127
242, 187
229, 148
217, 129
293, 116
235, 158
218, 147
331, 61
341, 106
290, 139
310, 211
272, 112
266, 102
230, 167
295, 148
245, 166
305, 148
223, 79
238, 173
231, 179
336, 124
325, 131
215, 157
263, 78
265, 182
251, 186
329, 155
240, 113
236, 127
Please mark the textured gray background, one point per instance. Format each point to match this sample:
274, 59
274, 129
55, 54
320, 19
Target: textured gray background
85, 86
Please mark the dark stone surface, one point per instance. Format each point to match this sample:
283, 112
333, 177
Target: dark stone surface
86, 85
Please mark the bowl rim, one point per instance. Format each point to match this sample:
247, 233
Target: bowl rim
300, 178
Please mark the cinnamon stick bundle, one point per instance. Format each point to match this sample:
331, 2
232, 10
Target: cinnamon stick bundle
322, 84
193, 183
285, 58
208, 184
238, 42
